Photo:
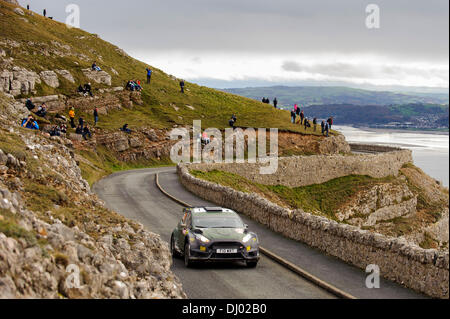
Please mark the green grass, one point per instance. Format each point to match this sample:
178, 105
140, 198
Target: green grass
9, 226
324, 199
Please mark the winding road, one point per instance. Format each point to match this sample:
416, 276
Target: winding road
134, 195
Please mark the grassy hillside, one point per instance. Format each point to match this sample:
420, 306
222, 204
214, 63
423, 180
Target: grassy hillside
288, 96
44, 44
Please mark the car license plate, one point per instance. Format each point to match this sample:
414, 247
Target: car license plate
227, 251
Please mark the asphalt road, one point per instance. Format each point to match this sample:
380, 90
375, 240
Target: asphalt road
135, 195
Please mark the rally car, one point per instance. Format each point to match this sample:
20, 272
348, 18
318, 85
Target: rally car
214, 234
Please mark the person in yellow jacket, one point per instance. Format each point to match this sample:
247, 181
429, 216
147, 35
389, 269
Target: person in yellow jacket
72, 117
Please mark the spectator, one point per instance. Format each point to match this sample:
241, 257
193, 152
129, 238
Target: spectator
81, 122
302, 117
205, 138
30, 123
86, 132
42, 110
327, 129
307, 124
63, 128
297, 110
315, 124
95, 116
72, 117
182, 85
44, 13
29, 104
95, 67
149, 75
81, 89
293, 116
330, 122
126, 129
28, 7
55, 131
79, 130
133, 86
275, 103
88, 89
233, 120
323, 127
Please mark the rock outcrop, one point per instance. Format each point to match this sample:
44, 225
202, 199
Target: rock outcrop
56, 237
18, 81
381, 203
100, 77
50, 78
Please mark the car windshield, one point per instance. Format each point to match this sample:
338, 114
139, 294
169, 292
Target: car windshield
217, 222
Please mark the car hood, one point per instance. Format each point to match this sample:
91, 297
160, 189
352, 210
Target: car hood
224, 234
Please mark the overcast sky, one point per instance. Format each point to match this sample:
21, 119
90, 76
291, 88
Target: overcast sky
278, 41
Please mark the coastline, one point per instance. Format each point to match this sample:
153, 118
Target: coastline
394, 130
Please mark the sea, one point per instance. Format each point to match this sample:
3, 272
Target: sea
430, 149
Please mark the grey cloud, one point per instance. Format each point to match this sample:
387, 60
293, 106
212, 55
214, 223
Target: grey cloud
409, 29
349, 71
343, 70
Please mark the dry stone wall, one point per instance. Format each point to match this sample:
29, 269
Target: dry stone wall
425, 271
300, 171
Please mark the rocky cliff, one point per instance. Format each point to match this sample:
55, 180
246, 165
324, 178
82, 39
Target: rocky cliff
52, 227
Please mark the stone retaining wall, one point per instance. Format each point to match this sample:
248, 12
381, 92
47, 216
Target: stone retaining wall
425, 271
297, 171
370, 148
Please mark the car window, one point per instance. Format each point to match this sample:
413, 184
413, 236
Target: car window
215, 221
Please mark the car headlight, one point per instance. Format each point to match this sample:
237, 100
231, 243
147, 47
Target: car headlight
202, 238
247, 238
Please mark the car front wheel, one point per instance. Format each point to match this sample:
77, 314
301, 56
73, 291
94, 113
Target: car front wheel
187, 255
252, 264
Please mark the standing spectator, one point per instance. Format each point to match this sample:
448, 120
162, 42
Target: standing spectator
330, 122
182, 84
263, 100
149, 75
45, 12
95, 116
327, 130
323, 127
72, 117
293, 116
28, 7
275, 103
302, 116
315, 124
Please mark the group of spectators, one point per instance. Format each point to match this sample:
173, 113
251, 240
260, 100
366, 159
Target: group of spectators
41, 110
85, 89
297, 112
267, 101
134, 85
